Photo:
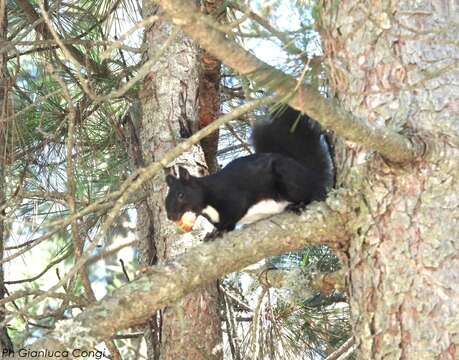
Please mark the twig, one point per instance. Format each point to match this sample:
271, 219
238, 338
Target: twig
41, 273
256, 324
124, 270
110, 251
288, 43
23, 293
344, 351
231, 329
235, 298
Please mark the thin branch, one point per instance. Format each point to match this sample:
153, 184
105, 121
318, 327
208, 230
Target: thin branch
256, 324
41, 273
234, 298
239, 138
30, 292
231, 329
42, 45
33, 17
344, 351
128, 336
110, 251
282, 36
316, 281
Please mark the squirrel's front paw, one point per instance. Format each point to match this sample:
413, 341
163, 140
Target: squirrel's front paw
213, 235
297, 208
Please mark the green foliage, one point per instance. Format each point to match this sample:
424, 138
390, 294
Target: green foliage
48, 91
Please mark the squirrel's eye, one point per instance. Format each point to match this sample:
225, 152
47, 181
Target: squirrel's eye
181, 195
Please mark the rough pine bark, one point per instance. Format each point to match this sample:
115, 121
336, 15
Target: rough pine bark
169, 102
395, 64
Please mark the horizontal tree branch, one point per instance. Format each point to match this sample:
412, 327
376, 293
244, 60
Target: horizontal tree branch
161, 285
202, 28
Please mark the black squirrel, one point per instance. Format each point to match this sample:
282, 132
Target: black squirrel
291, 167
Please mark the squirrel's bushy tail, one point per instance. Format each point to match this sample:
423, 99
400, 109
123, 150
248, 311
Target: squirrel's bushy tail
297, 136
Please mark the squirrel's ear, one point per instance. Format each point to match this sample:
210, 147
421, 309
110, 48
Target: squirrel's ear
170, 180
184, 174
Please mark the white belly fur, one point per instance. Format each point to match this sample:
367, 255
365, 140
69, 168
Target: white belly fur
263, 209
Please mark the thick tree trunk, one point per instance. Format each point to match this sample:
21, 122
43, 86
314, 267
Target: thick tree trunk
170, 113
395, 64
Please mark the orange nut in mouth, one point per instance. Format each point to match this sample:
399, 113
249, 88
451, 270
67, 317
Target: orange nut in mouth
187, 221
